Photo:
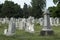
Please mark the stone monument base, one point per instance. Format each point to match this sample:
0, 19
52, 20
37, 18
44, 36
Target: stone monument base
8, 33
46, 32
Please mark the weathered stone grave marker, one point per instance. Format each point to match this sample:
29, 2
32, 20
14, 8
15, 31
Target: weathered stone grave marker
30, 25
11, 28
46, 30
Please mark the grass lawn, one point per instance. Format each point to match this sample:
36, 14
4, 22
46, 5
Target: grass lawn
22, 35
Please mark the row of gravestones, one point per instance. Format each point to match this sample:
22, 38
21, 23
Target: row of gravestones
26, 24
53, 21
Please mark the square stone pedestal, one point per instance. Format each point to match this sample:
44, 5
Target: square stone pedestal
43, 33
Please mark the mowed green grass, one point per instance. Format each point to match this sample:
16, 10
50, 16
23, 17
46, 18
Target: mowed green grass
22, 35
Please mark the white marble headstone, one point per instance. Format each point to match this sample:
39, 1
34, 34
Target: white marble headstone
30, 25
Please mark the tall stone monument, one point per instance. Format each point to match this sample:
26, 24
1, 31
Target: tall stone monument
11, 28
46, 30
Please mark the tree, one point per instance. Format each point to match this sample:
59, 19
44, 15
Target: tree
30, 10
52, 11
10, 9
37, 6
18, 11
58, 10
55, 11
25, 11
55, 1
0, 9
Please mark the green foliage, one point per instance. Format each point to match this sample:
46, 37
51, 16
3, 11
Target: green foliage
37, 6
25, 11
55, 1
0, 9
30, 10
55, 11
52, 11
18, 11
9, 9
22, 35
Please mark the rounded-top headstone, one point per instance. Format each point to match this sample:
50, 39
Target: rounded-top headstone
11, 18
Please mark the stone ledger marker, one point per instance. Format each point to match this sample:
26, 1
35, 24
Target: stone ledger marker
46, 30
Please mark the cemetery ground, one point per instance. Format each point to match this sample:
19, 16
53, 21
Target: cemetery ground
22, 35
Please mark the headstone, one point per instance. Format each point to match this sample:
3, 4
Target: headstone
51, 21
57, 21
24, 23
36, 21
16, 23
5, 20
30, 25
47, 28
41, 21
11, 29
21, 23
1, 19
